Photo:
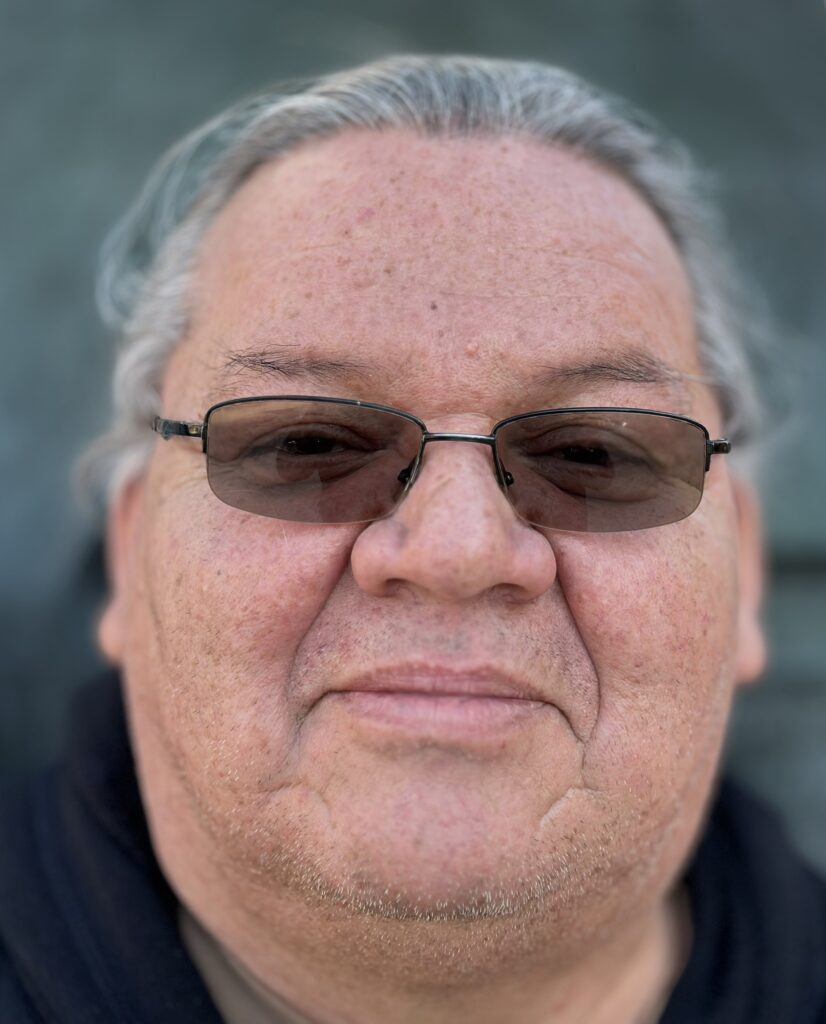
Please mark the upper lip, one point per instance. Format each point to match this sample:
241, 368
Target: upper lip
442, 680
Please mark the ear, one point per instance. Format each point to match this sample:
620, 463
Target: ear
751, 641
120, 531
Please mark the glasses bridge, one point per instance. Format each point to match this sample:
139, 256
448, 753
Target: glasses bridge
487, 439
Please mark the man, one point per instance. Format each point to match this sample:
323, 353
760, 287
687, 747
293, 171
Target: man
426, 696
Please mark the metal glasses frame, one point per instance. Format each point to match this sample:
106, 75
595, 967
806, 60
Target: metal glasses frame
200, 429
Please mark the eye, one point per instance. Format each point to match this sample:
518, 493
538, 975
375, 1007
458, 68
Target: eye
595, 449
588, 461
308, 445
308, 441
585, 455
302, 453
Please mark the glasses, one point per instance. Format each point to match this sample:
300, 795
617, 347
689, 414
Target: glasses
337, 460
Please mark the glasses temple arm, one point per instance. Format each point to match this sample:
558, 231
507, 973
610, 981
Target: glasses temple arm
720, 447
172, 428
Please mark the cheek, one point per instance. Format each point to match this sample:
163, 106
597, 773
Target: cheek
224, 602
656, 612
253, 584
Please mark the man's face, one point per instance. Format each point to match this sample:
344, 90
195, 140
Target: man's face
464, 281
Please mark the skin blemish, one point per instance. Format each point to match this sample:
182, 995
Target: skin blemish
472, 349
434, 305
363, 281
366, 213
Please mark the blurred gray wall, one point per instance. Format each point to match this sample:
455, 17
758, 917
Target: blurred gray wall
91, 91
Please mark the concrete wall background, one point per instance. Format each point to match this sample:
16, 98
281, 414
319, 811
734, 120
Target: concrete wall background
93, 90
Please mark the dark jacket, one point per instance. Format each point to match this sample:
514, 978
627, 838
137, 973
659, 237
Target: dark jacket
88, 924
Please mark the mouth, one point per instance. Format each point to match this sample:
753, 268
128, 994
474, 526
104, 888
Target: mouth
466, 707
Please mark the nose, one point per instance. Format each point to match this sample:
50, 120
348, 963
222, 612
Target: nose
455, 536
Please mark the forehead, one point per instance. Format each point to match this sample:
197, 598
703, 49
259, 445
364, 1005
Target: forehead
404, 269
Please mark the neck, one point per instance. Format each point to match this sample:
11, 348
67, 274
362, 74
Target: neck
490, 972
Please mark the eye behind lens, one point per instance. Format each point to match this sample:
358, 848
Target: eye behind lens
610, 471
310, 461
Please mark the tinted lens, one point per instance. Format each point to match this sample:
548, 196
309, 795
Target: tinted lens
600, 472
312, 462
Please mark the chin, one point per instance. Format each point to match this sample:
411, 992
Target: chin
424, 855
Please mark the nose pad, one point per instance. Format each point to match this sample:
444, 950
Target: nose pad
504, 477
406, 474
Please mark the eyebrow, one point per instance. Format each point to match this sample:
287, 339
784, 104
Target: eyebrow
287, 362
630, 366
283, 361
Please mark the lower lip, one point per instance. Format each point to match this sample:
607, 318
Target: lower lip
440, 714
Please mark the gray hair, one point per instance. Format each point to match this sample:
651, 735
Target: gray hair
147, 263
